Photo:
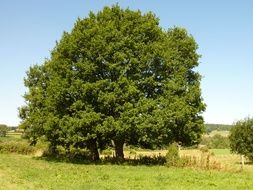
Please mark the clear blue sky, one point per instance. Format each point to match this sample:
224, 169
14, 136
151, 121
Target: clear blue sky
223, 30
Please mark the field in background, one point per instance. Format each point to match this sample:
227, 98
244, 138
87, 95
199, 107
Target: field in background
217, 127
216, 132
13, 134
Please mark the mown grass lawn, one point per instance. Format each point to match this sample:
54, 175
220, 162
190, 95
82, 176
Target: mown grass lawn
26, 172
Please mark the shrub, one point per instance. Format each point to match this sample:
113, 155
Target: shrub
172, 156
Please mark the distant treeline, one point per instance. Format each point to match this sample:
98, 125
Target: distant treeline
8, 128
12, 127
218, 127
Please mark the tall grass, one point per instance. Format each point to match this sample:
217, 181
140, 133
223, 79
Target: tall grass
18, 147
13, 143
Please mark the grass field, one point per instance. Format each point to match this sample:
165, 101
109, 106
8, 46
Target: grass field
27, 172
22, 172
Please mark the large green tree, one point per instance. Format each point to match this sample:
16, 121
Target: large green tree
116, 78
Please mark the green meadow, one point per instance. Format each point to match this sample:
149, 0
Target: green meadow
24, 172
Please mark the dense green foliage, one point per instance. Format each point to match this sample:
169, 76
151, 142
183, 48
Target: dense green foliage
218, 127
3, 130
20, 172
241, 137
117, 78
215, 142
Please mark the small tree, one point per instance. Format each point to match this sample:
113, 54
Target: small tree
241, 138
3, 130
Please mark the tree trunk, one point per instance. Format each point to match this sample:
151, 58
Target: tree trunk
119, 149
92, 146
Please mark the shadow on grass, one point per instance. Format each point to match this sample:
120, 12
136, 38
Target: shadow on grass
142, 160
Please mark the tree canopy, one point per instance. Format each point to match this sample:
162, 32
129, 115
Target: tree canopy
241, 137
117, 78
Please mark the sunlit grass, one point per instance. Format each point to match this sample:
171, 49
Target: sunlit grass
29, 172
26, 172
